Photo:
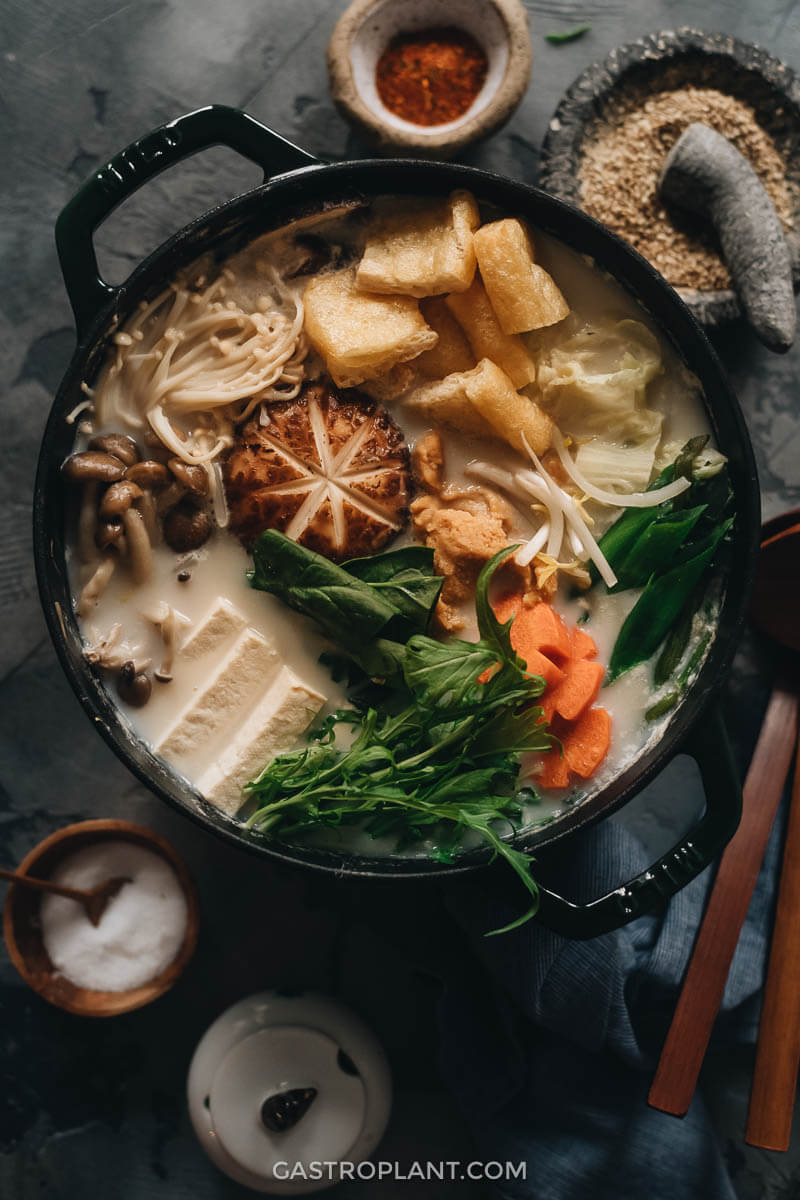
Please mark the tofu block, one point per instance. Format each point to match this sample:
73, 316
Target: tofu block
361, 335
421, 247
509, 413
521, 292
452, 352
247, 668
275, 723
474, 313
446, 403
222, 621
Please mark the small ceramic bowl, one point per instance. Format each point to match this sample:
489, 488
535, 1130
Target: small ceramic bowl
365, 29
23, 934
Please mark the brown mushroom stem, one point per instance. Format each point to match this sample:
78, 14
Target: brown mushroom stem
140, 553
87, 523
149, 510
97, 584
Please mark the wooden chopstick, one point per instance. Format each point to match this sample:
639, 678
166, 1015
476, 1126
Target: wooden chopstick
769, 1119
701, 995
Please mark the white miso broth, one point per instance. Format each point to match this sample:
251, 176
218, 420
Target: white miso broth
234, 675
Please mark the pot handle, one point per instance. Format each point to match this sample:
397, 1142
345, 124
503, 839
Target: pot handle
650, 891
216, 125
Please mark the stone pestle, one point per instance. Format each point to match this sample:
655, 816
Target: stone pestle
705, 174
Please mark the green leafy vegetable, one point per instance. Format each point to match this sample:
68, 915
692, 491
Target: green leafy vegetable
403, 578
391, 594
567, 35
438, 756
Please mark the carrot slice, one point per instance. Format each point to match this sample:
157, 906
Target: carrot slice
583, 645
542, 628
555, 770
507, 605
539, 664
586, 743
578, 689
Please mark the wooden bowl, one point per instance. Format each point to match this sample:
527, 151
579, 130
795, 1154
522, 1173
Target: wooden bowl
22, 927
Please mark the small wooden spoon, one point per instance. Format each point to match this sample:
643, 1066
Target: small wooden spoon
94, 901
701, 995
769, 1119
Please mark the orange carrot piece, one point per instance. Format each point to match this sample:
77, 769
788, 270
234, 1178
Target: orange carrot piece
579, 688
507, 605
542, 628
583, 646
586, 743
555, 770
539, 664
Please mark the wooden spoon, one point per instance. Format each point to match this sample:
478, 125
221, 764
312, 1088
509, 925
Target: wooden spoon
94, 901
701, 995
769, 1119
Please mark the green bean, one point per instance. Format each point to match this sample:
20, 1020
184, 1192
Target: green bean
664, 705
656, 610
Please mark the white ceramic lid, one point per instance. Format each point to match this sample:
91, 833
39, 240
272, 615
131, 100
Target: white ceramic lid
266, 1046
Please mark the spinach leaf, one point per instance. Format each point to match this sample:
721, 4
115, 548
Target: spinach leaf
405, 578
353, 604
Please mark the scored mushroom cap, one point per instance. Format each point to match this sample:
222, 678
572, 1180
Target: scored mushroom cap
93, 466
119, 444
191, 476
119, 497
148, 474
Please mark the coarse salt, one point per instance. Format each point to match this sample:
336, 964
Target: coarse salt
140, 932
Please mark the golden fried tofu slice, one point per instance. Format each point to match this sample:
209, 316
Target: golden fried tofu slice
452, 352
421, 247
358, 334
446, 403
521, 292
511, 415
474, 313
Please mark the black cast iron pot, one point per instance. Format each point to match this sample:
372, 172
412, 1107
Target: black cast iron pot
295, 185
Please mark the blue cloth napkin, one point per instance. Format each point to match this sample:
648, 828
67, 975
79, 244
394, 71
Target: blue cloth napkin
552, 1059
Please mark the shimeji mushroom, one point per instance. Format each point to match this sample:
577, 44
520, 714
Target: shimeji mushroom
186, 477
119, 502
97, 584
120, 445
90, 469
151, 477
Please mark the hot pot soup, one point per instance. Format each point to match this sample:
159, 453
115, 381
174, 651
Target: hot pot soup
399, 524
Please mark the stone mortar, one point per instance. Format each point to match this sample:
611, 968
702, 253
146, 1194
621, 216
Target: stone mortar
710, 60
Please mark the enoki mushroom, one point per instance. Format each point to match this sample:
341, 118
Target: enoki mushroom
193, 363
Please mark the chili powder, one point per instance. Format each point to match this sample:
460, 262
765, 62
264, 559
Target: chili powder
431, 76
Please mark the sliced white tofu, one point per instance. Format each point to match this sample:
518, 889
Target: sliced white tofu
241, 676
222, 621
273, 726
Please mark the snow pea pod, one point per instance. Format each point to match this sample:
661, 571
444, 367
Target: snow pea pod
658, 607
656, 545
